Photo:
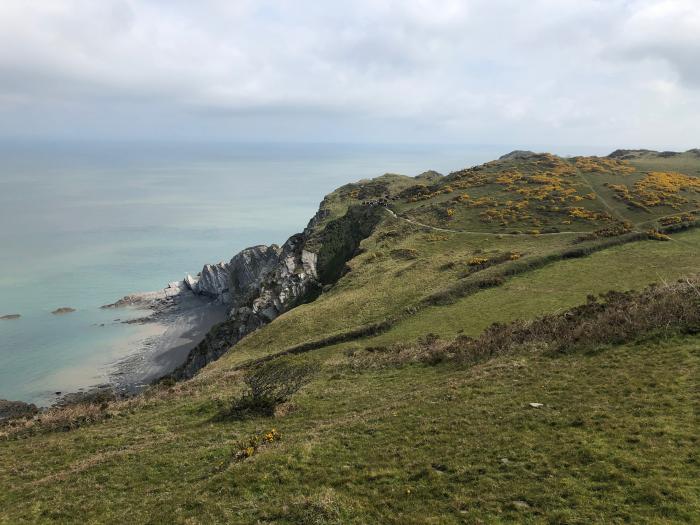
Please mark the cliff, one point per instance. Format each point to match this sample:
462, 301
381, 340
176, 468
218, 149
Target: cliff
262, 282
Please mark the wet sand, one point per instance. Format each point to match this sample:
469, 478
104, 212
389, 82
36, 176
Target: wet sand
181, 330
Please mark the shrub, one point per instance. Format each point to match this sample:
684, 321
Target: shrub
404, 253
655, 235
268, 385
613, 318
477, 261
610, 231
246, 449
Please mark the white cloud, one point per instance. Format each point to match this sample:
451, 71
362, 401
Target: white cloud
666, 31
617, 72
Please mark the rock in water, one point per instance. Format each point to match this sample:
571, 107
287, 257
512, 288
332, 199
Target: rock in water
10, 317
15, 409
63, 310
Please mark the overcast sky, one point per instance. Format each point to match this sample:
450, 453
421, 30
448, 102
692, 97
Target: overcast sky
537, 72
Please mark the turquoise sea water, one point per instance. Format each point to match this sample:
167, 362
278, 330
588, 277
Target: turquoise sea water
82, 225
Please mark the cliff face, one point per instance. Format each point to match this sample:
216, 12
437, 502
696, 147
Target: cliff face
259, 284
262, 282
233, 283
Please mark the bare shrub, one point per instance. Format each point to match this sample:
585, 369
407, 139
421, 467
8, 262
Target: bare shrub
267, 386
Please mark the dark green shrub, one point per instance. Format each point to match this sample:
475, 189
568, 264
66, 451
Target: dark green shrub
268, 385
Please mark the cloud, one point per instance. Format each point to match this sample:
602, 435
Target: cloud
666, 31
564, 71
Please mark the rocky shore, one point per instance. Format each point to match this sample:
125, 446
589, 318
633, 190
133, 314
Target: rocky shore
16, 409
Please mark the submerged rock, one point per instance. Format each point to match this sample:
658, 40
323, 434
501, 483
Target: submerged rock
63, 310
16, 409
10, 317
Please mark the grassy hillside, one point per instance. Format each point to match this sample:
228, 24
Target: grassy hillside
371, 440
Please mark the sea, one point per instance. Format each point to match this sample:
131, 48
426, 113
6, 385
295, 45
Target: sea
84, 223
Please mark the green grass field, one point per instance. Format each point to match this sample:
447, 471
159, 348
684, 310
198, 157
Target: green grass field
614, 442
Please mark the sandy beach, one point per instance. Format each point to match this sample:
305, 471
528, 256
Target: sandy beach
178, 329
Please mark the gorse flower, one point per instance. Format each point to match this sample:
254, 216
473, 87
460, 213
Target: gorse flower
658, 189
250, 447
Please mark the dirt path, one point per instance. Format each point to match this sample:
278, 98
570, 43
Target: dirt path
607, 205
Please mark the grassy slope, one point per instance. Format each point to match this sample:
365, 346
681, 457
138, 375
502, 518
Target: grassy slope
558, 286
615, 442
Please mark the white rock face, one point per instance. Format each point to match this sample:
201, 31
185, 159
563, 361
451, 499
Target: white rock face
248, 269
259, 283
175, 288
192, 283
214, 280
308, 262
238, 281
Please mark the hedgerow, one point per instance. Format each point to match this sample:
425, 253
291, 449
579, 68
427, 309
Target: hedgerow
613, 318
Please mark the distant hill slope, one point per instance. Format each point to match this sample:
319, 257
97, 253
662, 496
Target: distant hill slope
389, 430
529, 192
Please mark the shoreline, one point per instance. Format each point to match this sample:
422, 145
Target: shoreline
171, 323
183, 329
178, 320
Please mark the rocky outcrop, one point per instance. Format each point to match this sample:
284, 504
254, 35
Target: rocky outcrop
16, 409
233, 283
259, 283
262, 282
518, 154
10, 317
213, 281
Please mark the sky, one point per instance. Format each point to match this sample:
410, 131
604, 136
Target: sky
616, 73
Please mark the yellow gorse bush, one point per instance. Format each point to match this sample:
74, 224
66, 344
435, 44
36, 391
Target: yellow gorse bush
477, 261
677, 219
539, 191
603, 165
659, 188
249, 448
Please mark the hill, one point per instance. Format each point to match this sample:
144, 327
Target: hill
404, 402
